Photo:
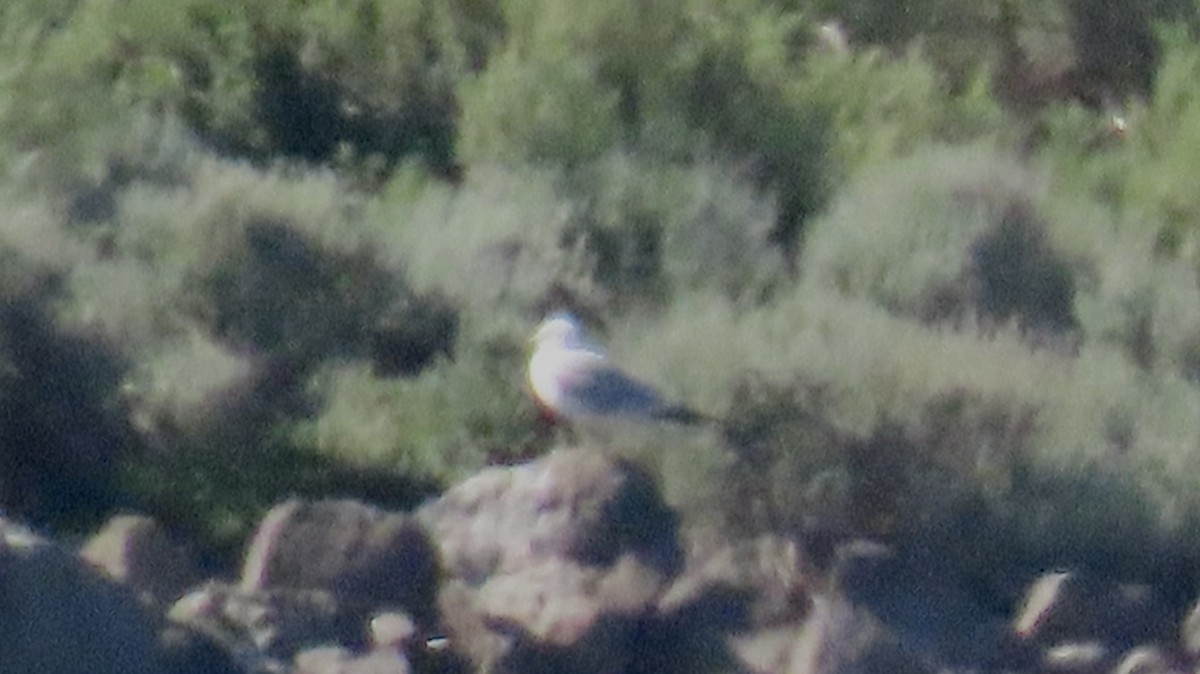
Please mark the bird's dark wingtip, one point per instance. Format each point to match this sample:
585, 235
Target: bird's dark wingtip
686, 416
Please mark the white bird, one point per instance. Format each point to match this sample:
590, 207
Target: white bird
572, 379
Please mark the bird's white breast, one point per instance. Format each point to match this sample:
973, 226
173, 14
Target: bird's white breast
552, 369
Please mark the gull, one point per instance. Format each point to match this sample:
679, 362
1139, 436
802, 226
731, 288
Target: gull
572, 379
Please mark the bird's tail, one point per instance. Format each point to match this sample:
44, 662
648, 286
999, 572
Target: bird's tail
687, 416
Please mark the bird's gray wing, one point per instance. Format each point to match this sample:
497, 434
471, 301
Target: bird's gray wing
605, 390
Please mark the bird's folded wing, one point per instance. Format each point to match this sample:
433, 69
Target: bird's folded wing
604, 390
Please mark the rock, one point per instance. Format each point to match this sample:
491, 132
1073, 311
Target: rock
1075, 656
554, 615
757, 606
398, 633
558, 602
571, 504
763, 582
60, 442
833, 637
1144, 660
553, 564
393, 630
337, 660
840, 637
59, 615
1066, 607
469, 634
1044, 597
188, 651
268, 623
322, 660
135, 551
368, 558
1189, 632
774, 650
746, 600
933, 611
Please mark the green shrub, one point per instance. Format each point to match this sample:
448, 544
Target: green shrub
493, 245
314, 80
570, 83
192, 394
1161, 145
1129, 295
571, 86
799, 379
845, 415
452, 419
619, 232
225, 287
902, 235
54, 103
946, 235
552, 110
772, 233
885, 107
219, 494
1086, 155
1146, 306
1140, 171
253, 256
1110, 446
736, 76
653, 229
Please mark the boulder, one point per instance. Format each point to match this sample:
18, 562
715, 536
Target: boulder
59, 615
760, 605
272, 624
189, 651
337, 660
135, 551
552, 565
1076, 656
934, 611
368, 558
1066, 607
764, 581
1189, 632
572, 504
1146, 660
393, 630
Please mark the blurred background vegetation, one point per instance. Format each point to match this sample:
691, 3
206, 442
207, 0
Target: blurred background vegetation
935, 261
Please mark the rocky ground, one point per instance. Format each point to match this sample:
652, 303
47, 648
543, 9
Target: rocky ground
571, 563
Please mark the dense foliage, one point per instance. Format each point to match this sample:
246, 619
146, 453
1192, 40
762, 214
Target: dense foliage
935, 262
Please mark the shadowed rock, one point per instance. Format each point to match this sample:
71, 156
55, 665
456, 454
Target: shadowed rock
761, 606
189, 651
270, 624
763, 582
337, 660
57, 615
931, 610
60, 442
1146, 660
368, 558
134, 550
1068, 607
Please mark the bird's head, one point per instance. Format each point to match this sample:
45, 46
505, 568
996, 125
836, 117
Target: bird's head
559, 328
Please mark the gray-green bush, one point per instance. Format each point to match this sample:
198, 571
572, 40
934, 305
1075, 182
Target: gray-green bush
940, 278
